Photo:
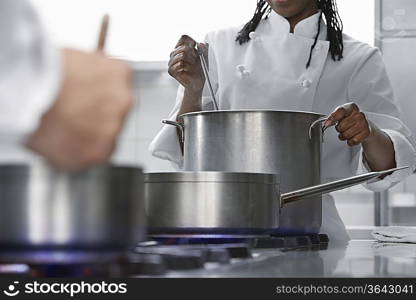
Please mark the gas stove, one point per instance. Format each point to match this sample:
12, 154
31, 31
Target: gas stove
161, 256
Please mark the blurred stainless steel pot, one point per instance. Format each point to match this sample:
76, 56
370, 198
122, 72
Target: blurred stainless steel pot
43, 207
260, 141
227, 203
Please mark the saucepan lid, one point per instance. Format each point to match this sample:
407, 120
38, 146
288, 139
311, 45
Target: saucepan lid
220, 177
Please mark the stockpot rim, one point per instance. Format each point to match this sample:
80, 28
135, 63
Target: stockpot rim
268, 111
211, 176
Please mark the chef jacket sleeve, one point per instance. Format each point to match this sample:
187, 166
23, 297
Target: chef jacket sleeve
371, 89
30, 73
166, 143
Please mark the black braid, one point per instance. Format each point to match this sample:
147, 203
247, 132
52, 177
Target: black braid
263, 8
315, 41
334, 27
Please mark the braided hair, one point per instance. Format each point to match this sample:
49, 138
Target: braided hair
328, 9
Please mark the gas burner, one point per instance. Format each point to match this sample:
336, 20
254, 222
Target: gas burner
208, 252
319, 241
59, 263
209, 236
14, 270
312, 242
200, 239
58, 257
157, 257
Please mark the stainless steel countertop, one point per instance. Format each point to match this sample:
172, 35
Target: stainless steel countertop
360, 258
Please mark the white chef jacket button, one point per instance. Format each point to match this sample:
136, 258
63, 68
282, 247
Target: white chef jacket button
253, 36
240, 68
244, 74
306, 83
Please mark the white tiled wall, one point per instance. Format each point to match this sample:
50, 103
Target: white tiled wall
356, 205
396, 37
155, 96
402, 203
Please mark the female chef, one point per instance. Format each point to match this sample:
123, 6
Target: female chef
293, 55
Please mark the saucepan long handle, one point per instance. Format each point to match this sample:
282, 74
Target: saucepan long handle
333, 186
178, 125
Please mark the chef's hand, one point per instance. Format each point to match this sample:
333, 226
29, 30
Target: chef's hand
185, 65
351, 124
81, 127
353, 127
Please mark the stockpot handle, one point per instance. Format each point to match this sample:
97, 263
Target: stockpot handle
179, 126
333, 186
313, 125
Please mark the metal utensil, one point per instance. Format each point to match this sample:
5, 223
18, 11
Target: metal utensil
206, 74
228, 203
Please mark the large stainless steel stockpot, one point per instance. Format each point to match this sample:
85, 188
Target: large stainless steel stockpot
227, 203
260, 141
44, 207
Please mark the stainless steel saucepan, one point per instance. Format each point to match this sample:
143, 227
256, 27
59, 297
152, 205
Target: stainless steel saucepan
41, 207
226, 203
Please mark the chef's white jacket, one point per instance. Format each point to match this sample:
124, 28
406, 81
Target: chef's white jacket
30, 76
269, 72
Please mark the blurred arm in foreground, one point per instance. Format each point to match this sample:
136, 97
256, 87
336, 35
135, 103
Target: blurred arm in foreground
68, 106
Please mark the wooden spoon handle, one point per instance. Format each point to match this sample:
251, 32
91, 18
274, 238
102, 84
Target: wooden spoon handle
103, 33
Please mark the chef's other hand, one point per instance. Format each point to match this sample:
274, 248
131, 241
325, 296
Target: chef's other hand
351, 124
185, 65
81, 127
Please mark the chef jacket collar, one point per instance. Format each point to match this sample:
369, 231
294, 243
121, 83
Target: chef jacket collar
306, 28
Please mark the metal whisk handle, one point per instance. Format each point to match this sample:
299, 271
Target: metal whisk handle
206, 74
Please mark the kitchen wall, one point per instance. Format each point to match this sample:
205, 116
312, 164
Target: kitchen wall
155, 97
147, 30
396, 37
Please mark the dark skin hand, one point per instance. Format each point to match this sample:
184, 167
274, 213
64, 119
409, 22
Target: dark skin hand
185, 67
352, 125
355, 129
